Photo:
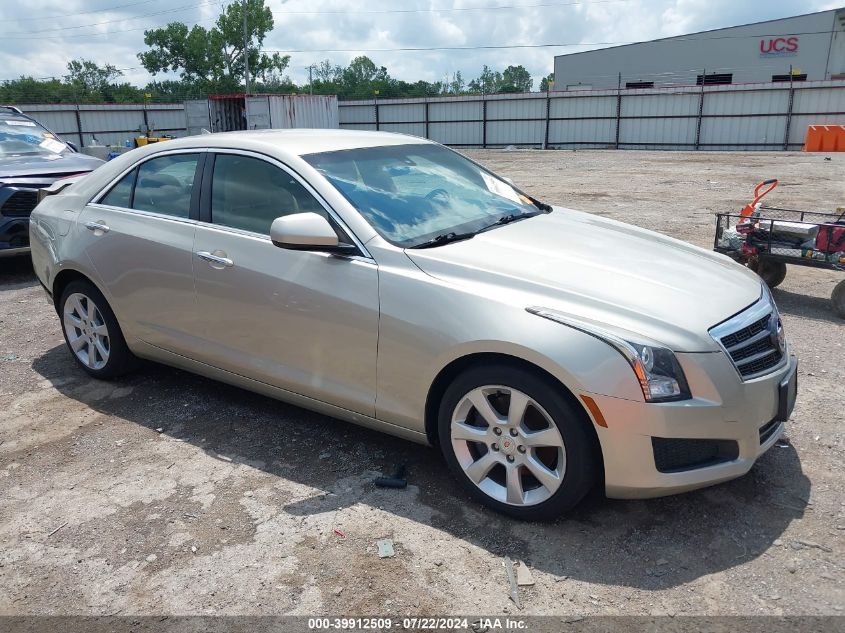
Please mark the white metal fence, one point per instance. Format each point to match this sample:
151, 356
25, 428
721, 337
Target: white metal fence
111, 124
769, 116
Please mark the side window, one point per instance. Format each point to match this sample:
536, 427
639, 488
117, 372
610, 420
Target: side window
164, 185
249, 193
121, 194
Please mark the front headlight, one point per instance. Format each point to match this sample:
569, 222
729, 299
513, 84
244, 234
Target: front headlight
657, 369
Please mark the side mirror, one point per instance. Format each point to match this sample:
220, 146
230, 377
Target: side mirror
307, 232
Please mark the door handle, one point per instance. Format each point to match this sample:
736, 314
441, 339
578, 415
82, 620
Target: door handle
97, 226
215, 259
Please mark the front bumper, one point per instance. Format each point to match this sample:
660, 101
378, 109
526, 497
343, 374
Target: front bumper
748, 414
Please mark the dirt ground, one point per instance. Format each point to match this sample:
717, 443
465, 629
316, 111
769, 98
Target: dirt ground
167, 493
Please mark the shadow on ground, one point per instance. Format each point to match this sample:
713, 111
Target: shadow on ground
797, 304
16, 272
652, 544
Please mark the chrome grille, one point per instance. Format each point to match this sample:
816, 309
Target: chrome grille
749, 339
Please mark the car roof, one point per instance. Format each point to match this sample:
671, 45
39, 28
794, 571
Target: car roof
298, 142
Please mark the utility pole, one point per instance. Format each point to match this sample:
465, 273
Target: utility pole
246, 49
310, 80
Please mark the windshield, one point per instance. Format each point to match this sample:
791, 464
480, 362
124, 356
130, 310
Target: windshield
19, 137
412, 193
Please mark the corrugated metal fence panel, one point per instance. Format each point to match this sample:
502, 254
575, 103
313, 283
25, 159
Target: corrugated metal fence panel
818, 100
401, 112
592, 132
658, 133
515, 132
746, 102
451, 133
415, 129
350, 113
456, 110
763, 133
579, 106
111, 124
638, 104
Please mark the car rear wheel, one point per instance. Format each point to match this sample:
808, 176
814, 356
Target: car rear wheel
92, 333
515, 443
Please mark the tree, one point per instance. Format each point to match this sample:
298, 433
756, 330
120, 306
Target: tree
215, 58
488, 82
547, 82
90, 78
457, 85
516, 79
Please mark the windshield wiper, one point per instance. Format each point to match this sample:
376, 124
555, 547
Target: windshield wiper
444, 238
508, 218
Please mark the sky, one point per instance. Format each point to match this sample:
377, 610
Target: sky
39, 37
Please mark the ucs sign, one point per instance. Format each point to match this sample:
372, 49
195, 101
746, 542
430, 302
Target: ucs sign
778, 46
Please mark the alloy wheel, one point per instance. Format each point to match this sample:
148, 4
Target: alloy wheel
508, 445
86, 330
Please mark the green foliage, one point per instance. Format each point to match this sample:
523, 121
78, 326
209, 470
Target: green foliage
214, 59
547, 82
512, 79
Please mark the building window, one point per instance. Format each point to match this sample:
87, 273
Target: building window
639, 84
714, 79
802, 77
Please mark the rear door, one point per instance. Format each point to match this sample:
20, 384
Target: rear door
303, 321
139, 235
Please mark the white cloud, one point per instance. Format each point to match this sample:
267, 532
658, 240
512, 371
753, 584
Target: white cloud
121, 36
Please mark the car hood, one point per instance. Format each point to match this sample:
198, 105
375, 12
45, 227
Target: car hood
602, 271
47, 164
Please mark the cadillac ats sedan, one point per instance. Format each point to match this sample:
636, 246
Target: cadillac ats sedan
390, 281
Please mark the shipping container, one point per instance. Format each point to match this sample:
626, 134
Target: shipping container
283, 112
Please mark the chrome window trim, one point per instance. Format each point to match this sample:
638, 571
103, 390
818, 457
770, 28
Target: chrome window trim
151, 214
95, 199
764, 306
305, 184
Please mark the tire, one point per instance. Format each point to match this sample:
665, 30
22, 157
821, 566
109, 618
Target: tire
837, 297
773, 273
98, 333
498, 460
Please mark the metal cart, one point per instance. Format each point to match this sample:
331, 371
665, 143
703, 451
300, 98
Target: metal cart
772, 237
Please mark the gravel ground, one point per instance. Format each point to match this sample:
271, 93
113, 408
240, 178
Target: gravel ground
166, 493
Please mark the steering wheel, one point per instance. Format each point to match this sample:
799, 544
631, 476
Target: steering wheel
437, 193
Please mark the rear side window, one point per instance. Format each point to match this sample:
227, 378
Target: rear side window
249, 193
164, 185
121, 194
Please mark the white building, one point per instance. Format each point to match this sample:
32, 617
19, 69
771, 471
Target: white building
810, 47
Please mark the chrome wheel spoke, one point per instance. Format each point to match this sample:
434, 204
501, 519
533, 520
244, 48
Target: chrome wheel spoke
515, 493
546, 437
516, 409
91, 355
481, 467
100, 330
461, 431
78, 343
549, 479
482, 404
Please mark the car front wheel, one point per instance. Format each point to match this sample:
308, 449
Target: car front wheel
516, 443
92, 333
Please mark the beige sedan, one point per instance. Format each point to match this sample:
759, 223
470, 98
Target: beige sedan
389, 281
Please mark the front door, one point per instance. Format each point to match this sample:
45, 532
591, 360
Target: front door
139, 236
303, 321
